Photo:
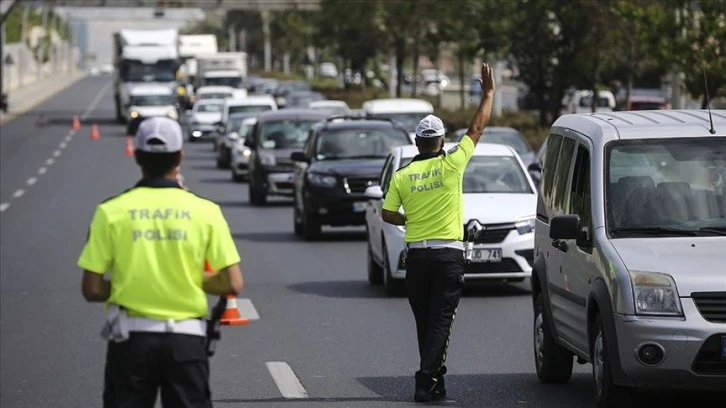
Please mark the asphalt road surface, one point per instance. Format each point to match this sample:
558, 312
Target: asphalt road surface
323, 337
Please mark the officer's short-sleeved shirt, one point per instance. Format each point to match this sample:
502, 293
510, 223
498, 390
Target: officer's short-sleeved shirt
154, 240
430, 192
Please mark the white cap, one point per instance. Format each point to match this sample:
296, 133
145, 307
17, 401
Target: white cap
430, 127
159, 135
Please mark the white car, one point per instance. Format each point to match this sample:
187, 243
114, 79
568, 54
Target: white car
334, 108
214, 92
240, 158
498, 192
406, 111
150, 100
203, 119
250, 104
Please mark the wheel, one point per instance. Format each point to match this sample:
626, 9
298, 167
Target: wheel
311, 228
391, 286
553, 362
297, 223
222, 162
607, 394
375, 272
257, 196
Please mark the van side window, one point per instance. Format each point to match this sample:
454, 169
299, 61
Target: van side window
562, 175
580, 198
548, 172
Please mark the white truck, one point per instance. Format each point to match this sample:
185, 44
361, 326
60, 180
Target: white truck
143, 56
192, 47
222, 69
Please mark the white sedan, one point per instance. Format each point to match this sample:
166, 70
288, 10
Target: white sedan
240, 154
498, 192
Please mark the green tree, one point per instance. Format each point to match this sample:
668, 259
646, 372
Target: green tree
292, 32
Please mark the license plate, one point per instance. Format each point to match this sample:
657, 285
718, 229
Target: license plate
723, 347
486, 255
360, 207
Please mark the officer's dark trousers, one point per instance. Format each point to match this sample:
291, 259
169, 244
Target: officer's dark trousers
434, 282
139, 366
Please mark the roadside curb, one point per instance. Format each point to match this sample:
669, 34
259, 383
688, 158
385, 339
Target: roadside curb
62, 84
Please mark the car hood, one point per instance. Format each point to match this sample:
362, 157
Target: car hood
695, 263
499, 208
153, 110
350, 168
206, 117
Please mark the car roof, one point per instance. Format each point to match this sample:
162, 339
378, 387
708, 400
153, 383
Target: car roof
327, 103
215, 88
214, 101
150, 90
481, 149
284, 114
251, 100
490, 129
603, 127
360, 124
397, 105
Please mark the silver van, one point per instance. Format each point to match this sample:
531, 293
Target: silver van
630, 252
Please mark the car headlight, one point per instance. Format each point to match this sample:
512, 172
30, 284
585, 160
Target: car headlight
323, 180
267, 159
197, 133
525, 225
134, 114
172, 114
655, 294
245, 153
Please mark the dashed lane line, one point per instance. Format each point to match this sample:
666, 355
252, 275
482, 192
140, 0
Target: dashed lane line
62, 145
49, 162
18, 193
42, 170
32, 181
4, 206
247, 309
286, 380
57, 153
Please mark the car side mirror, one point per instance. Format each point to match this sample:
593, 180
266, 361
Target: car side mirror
299, 157
374, 192
565, 227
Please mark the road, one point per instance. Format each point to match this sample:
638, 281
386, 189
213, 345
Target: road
332, 340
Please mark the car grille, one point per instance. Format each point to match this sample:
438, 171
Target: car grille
711, 305
358, 185
506, 265
708, 360
492, 234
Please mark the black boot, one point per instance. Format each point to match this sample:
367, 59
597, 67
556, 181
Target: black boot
425, 385
439, 391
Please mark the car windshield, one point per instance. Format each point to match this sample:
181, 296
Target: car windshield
152, 100
511, 138
286, 134
666, 186
359, 143
234, 82
210, 107
234, 123
136, 71
408, 120
492, 174
215, 95
249, 108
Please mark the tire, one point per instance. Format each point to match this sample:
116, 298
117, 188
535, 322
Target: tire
375, 271
552, 361
606, 393
392, 286
311, 228
297, 224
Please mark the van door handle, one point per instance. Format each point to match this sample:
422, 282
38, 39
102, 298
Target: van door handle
560, 244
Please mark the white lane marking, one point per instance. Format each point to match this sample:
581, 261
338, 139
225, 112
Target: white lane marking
49, 162
62, 145
57, 153
42, 170
247, 309
32, 181
18, 193
286, 380
4, 206
95, 101
68, 137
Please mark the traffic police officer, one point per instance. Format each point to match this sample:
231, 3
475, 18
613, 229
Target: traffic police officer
153, 239
430, 191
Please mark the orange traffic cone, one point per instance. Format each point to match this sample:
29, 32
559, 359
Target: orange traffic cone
231, 316
76, 123
95, 134
129, 146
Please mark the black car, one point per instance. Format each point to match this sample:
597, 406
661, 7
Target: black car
276, 135
341, 158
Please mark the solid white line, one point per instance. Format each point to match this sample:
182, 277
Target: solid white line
42, 170
18, 193
49, 162
4, 206
286, 380
32, 181
95, 101
62, 145
57, 153
247, 309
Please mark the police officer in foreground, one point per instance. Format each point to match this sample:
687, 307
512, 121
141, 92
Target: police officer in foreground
430, 191
153, 240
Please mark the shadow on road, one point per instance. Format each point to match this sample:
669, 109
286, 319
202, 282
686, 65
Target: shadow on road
356, 289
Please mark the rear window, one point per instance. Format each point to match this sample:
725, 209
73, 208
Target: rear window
249, 108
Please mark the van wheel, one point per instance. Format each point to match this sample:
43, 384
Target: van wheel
607, 394
375, 272
553, 362
391, 286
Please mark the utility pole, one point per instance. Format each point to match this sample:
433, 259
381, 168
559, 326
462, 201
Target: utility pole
266, 39
232, 39
22, 67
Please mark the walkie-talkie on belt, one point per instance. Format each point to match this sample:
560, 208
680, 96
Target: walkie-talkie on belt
214, 334
473, 229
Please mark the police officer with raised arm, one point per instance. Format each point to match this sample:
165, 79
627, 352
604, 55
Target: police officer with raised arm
153, 240
430, 191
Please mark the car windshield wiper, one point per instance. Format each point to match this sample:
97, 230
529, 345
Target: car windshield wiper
713, 230
669, 231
